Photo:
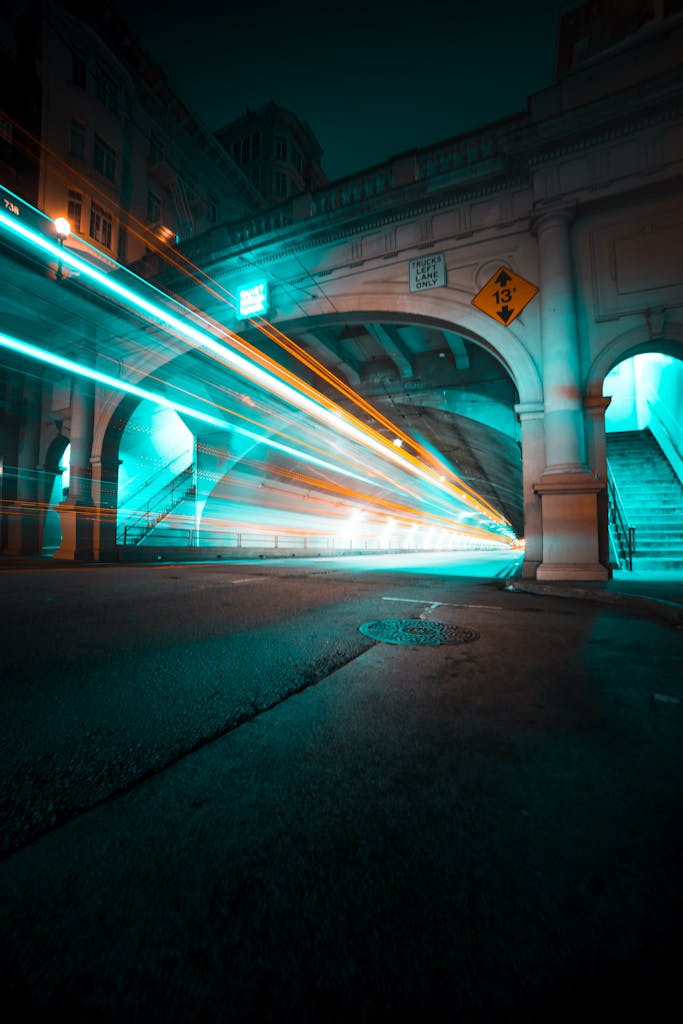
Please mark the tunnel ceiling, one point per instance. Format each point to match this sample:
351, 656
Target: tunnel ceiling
436, 385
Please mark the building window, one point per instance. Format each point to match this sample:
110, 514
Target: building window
280, 147
100, 225
77, 140
121, 245
189, 183
255, 145
79, 69
74, 209
107, 90
255, 176
213, 209
280, 184
104, 159
297, 160
153, 208
157, 150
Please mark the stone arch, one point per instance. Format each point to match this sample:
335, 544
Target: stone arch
633, 342
55, 450
636, 341
503, 343
110, 424
52, 492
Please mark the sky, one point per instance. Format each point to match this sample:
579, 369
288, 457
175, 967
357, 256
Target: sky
373, 79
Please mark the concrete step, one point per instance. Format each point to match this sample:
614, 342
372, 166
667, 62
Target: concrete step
635, 478
656, 564
668, 519
649, 501
660, 550
662, 538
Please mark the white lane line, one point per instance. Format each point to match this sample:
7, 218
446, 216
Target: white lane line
248, 579
445, 604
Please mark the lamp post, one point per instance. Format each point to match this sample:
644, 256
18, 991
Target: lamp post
63, 229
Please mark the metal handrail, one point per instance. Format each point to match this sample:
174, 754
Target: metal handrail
626, 534
162, 469
147, 520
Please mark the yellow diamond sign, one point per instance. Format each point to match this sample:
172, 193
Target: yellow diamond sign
504, 297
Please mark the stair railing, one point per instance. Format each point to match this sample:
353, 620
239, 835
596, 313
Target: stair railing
160, 505
148, 483
625, 534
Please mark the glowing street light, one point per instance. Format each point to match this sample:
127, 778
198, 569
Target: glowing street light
63, 229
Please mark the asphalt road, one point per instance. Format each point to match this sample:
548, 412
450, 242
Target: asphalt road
222, 802
112, 673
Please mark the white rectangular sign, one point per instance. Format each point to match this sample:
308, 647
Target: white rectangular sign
428, 272
253, 300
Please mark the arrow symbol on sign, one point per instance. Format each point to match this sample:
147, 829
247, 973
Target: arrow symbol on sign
503, 278
505, 314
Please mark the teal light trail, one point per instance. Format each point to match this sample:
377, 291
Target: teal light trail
42, 355
209, 344
342, 424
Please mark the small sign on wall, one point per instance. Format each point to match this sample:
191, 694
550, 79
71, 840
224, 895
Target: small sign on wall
504, 296
428, 272
253, 299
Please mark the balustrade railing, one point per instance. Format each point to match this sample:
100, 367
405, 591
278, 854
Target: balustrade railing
623, 534
423, 164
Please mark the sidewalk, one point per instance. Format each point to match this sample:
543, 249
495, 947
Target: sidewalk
656, 594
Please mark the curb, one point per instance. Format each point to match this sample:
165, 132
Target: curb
669, 611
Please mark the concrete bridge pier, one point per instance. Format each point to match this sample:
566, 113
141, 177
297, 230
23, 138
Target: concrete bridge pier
76, 514
24, 526
569, 491
105, 487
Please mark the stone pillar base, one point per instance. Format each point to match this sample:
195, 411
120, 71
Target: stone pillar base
529, 567
571, 571
76, 522
569, 507
23, 532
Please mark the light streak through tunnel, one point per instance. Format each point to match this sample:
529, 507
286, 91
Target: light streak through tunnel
430, 495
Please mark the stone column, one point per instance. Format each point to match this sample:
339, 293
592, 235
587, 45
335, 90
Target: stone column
530, 416
105, 491
76, 513
568, 490
596, 447
564, 440
24, 526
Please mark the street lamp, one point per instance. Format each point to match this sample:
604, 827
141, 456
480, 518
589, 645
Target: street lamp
63, 229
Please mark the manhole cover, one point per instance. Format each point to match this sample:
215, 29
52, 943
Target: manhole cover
417, 631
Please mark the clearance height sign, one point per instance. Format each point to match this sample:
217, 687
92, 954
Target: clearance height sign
504, 296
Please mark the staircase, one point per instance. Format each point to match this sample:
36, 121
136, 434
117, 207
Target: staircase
158, 507
651, 498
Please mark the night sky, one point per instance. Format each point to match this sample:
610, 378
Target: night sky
372, 79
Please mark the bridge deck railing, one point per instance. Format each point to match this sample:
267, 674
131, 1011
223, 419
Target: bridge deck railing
469, 153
